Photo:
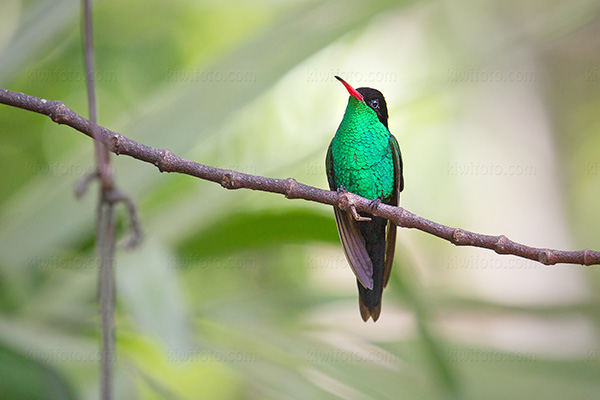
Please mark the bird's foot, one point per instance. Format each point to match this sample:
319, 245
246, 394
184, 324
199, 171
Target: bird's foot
347, 204
356, 215
374, 204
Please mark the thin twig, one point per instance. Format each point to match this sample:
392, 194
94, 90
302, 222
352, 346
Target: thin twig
105, 223
166, 161
135, 237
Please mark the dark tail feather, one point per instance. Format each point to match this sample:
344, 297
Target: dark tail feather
369, 303
374, 234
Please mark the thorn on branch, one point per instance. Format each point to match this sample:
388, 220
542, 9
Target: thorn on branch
229, 180
165, 160
586, 257
116, 143
500, 246
546, 258
291, 188
459, 237
59, 111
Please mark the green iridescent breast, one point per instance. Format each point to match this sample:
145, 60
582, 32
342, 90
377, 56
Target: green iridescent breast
362, 159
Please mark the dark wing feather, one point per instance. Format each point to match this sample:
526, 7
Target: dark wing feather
350, 236
354, 248
390, 240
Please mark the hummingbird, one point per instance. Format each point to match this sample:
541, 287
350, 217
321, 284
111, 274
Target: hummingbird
364, 158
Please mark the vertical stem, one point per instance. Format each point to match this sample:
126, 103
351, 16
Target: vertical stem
106, 283
105, 225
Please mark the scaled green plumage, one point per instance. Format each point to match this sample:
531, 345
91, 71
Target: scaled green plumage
364, 158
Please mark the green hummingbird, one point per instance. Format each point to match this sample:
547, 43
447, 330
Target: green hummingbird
364, 158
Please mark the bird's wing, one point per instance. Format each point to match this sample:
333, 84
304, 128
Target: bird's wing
354, 248
350, 236
390, 239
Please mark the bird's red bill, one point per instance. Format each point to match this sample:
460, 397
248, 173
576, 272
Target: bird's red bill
350, 89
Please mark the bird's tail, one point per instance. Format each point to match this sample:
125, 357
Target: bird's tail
374, 234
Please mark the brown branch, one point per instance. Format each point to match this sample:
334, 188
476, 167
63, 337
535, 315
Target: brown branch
166, 161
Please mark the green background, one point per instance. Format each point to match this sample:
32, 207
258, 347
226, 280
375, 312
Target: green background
246, 295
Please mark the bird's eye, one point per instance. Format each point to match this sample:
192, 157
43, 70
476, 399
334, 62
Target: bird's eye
375, 103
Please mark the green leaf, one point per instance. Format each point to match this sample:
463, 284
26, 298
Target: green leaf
23, 378
251, 231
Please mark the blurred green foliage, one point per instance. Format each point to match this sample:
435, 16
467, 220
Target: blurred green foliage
243, 295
